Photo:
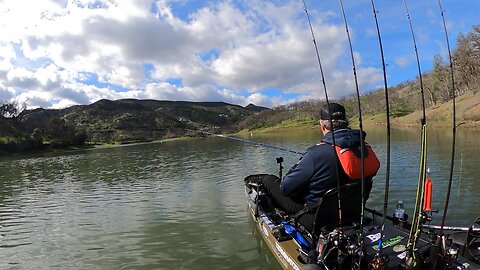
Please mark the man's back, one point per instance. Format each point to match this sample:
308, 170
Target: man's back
317, 171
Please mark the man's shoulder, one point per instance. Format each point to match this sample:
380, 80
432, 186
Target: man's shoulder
321, 148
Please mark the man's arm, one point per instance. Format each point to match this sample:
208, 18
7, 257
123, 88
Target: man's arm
297, 178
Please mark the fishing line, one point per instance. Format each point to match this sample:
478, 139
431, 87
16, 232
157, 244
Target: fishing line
414, 230
454, 126
340, 223
461, 176
362, 143
250, 142
387, 106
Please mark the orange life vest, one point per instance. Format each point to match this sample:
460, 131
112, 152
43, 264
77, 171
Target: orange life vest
352, 163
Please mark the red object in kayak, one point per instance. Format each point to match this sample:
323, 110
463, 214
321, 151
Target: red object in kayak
427, 196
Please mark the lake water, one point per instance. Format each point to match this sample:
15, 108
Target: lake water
181, 204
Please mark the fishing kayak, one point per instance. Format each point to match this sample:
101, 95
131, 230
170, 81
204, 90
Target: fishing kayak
336, 248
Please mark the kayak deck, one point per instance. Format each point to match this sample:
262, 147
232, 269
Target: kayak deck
290, 255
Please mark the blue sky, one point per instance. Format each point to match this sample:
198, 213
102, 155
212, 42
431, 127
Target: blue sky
59, 53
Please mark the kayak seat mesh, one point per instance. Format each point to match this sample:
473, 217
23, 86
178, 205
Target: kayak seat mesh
325, 212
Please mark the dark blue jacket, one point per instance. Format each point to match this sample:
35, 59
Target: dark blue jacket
315, 172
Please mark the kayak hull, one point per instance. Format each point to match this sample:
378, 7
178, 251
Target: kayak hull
285, 252
290, 255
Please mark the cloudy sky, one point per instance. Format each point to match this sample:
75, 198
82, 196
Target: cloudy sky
57, 53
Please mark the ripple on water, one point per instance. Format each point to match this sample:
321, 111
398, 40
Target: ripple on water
165, 206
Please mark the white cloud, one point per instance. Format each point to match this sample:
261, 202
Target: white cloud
264, 100
6, 54
36, 99
403, 61
220, 52
21, 78
5, 94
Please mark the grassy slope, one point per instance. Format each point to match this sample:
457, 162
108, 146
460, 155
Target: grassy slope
467, 112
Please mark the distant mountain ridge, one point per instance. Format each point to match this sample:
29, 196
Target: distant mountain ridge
128, 120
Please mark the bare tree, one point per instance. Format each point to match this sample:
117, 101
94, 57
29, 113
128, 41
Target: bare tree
12, 109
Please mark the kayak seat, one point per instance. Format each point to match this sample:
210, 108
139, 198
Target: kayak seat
254, 180
325, 212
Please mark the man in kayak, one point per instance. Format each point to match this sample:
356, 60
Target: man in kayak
319, 168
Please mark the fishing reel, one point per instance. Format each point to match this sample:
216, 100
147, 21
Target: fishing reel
473, 241
379, 262
343, 248
412, 260
427, 216
451, 256
333, 243
449, 253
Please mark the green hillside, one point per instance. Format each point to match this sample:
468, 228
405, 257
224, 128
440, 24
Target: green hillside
405, 99
120, 121
129, 120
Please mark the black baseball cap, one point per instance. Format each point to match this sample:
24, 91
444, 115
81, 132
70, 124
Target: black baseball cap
337, 111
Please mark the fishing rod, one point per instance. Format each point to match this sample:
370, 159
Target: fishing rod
416, 220
454, 126
362, 143
249, 141
379, 262
340, 222
452, 228
423, 120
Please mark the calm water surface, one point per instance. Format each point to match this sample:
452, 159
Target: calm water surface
180, 205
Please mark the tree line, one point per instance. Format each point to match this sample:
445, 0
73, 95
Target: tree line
16, 136
437, 84
404, 98
56, 132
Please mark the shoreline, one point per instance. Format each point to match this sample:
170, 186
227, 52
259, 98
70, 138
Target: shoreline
91, 146
470, 125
